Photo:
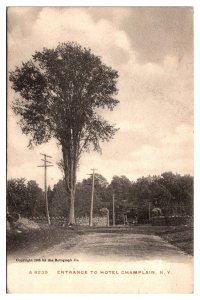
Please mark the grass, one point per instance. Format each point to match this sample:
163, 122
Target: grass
38, 239
181, 237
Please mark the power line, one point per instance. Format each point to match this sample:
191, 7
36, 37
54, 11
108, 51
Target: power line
46, 164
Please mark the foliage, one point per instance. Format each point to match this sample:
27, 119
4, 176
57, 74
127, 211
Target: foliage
119, 189
27, 199
59, 92
120, 185
57, 200
171, 193
83, 195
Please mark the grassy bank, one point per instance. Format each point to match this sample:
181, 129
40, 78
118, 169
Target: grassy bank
33, 240
179, 236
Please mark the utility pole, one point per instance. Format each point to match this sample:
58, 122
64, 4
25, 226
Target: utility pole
113, 209
149, 210
46, 164
108, 218
92, 199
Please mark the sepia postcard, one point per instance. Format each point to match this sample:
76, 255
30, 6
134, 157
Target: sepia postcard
99, 150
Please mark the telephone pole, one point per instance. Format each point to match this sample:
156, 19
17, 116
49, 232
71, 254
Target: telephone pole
113, 209
92, 199
149, 210
46, 164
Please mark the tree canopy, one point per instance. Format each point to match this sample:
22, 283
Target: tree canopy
59, 89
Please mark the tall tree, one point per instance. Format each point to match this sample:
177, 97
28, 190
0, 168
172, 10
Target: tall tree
59, 92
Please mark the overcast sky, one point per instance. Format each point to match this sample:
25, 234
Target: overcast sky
152, 49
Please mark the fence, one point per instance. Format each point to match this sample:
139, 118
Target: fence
97, 221
83, 221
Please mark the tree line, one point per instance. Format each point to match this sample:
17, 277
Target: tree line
172, 193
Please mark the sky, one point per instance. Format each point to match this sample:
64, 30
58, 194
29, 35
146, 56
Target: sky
152, 49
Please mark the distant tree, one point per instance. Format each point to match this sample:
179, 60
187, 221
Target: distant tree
186, 183
83, 195
172, 193
100, 181
27, 199
16, 195
120, 186
169, 181
59, 92
141, 191
35, 199
181, 189
57, 203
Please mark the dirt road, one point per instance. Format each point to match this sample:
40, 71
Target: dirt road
112, 246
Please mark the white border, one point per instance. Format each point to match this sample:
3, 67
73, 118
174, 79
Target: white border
99, 2
196, 5
196, 147
3, 147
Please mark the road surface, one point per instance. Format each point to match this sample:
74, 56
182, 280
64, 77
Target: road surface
112, 246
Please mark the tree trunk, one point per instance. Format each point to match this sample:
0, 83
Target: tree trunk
71, 209
70, 166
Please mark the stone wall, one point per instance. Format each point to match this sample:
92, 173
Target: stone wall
97, 221
83, 221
